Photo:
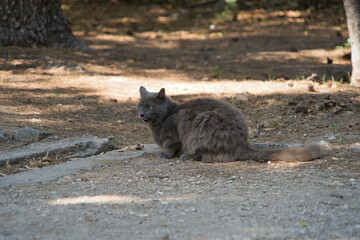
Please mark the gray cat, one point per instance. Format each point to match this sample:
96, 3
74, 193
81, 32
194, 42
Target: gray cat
208, 130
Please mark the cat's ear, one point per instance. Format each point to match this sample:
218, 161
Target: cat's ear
143, 91
161, 95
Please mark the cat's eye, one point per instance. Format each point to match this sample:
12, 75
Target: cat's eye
150, 107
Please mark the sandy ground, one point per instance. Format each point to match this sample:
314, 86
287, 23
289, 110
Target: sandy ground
258, 64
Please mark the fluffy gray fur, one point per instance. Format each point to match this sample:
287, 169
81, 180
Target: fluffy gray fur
208, 130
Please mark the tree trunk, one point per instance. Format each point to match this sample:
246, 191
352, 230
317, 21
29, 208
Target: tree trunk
32, 23
352, 9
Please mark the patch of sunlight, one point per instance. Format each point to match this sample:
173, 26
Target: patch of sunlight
100, 199
115, 38
116, 199
115, 87
119, 79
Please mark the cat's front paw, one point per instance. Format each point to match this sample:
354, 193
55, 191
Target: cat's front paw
164, 155
185, 157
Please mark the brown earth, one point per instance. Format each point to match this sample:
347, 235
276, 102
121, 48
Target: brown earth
257, 64
260, 64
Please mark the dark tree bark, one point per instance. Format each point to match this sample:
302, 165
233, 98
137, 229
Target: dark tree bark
352, 10
31, 23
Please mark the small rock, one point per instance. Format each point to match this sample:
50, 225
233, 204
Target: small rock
227, 182
290, 84
166, 236
336, 183
352, 182
69, 147
4, 136
77, 68
242, 97
332, 138
336, 195
29, 134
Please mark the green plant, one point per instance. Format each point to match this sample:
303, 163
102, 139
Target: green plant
346, 44
304, 224
231, 8
271, 78
216, 72
300, 76
334, 127
340, 140
224, 15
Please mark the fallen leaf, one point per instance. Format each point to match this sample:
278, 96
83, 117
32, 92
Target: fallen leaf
304, 224
132, 148
139, 147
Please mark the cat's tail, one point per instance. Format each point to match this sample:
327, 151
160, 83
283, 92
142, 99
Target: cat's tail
304, 153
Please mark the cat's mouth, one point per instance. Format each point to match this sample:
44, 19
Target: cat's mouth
143, 118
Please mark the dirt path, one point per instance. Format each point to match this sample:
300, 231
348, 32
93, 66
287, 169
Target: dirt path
145, 197
257, 64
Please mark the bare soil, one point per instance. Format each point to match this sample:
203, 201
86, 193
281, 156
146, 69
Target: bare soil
152, 198
260, 64
265, 56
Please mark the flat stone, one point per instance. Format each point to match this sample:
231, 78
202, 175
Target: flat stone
55, 172
68, 147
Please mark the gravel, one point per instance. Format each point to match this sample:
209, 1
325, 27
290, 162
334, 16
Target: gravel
141, 196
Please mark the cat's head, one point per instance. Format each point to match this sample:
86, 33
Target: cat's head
152, 106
